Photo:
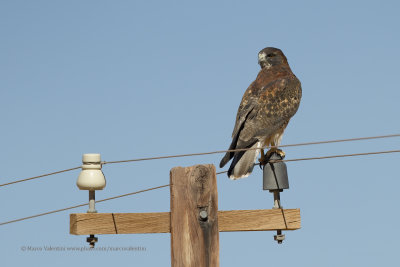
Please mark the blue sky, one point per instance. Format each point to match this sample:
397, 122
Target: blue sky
132, 79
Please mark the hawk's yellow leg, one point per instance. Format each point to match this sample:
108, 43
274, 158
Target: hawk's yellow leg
275, 149
265, 157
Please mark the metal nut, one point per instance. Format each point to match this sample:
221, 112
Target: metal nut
92, 240
279, 238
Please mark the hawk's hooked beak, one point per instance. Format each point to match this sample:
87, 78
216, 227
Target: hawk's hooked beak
264, 64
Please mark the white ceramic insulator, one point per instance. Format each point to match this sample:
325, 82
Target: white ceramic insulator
91, 176
91, 158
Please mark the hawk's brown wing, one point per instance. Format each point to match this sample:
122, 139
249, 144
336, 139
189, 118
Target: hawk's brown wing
247, 109
246, 112
267, 105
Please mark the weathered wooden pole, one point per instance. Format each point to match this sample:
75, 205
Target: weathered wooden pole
194, 217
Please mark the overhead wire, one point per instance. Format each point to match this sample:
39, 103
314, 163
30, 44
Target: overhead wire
245, 149
206, 153
158, 187
339, 156
328, 157
81, 205
39, 176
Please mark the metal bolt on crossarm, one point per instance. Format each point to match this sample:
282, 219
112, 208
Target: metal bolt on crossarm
275, 179
91, 178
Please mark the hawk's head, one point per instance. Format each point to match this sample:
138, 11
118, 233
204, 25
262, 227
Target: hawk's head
271, 56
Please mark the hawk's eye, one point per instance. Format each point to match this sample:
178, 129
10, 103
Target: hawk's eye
271, 55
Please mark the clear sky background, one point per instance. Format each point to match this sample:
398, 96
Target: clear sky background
132, 79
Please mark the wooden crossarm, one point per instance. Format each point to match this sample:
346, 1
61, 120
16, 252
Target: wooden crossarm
160, 222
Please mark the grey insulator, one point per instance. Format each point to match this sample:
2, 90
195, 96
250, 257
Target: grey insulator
275, 175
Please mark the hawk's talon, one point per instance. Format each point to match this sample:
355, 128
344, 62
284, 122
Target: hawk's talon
275, 150
262, 159
262, 162
265, 158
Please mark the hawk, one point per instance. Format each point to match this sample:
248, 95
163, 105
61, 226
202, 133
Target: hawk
264, 112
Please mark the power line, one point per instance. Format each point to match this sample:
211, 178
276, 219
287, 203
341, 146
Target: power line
40, 176
81, 205
158, 187
341, 156
207, 153
328, 157
343, 140
245, 149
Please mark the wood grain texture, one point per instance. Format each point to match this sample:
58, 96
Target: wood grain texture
194, 242
259, 220
139, 223
119, 223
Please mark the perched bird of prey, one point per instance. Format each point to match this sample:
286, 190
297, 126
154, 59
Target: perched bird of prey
266, 108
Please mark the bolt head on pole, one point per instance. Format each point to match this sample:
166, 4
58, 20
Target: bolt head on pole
91, 176
203, 215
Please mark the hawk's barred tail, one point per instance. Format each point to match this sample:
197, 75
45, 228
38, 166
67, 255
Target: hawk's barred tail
243, 162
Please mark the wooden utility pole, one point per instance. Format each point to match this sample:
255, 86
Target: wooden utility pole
194, 221
194, 216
